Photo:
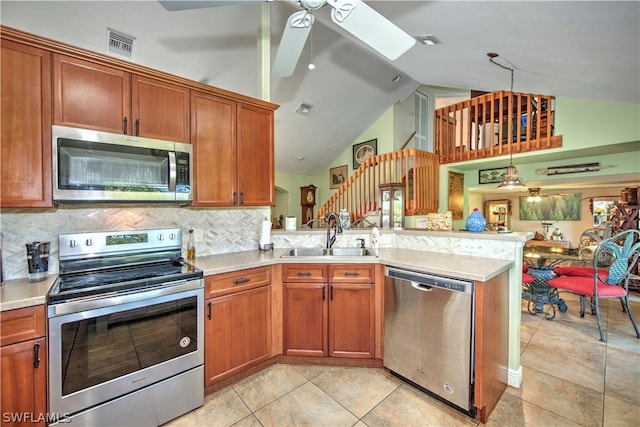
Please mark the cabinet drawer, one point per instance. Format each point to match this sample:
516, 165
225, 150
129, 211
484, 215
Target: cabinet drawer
304, 273
227, 283
352, 273
22, 324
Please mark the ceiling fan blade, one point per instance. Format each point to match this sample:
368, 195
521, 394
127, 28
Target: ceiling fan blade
294, 37
371, 27
174, 5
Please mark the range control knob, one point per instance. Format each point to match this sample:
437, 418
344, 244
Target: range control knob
72, 243
172, 236
161, 237
89, 242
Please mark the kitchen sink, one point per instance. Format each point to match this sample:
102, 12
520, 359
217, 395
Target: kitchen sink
315, 252
306, 252
350, 252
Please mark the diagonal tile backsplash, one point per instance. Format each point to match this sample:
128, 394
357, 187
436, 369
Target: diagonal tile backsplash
223, 230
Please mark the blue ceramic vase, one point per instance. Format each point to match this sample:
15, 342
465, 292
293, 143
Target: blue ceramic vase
476, 222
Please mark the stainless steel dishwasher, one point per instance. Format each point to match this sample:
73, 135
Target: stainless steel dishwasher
428, 339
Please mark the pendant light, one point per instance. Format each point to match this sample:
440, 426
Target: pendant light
510, 179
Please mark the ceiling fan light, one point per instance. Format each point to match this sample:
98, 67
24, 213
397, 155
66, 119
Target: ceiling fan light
511, 179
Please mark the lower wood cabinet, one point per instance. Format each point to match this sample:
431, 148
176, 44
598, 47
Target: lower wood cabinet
237, 322
24, 367
329, 310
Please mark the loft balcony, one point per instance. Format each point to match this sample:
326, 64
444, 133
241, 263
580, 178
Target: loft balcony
485, 126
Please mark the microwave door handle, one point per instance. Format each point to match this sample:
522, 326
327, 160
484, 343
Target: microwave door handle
172, 171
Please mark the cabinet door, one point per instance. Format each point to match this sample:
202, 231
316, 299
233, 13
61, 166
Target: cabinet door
351, 320
255, 156
160, 110
213, 126
305, 319
91, 96
237, 332
25, 144
24, 383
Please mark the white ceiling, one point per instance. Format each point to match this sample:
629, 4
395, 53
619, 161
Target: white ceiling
588, 50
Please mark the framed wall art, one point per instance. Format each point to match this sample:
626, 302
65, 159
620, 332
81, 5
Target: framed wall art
456, 194
363, 151
565, 207
337, 176
489, 176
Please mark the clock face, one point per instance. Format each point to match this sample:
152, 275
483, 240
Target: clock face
309, 196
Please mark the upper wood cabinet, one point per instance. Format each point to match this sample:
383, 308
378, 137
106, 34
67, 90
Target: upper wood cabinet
93, 96
25, 144
255, 155
160, 110
233, 152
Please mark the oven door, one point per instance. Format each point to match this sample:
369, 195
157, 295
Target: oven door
104, 348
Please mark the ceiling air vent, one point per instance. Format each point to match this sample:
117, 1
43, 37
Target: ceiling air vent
120, 44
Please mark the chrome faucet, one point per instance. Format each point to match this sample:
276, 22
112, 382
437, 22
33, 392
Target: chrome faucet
331, 239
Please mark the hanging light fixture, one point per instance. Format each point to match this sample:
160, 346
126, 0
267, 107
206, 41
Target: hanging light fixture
510, 179
534, 195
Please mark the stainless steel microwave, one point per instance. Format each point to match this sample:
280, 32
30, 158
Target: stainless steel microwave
92, 167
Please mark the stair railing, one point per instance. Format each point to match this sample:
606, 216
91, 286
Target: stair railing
418, 170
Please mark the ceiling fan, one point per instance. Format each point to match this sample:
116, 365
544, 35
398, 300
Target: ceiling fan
352, 15
536, 195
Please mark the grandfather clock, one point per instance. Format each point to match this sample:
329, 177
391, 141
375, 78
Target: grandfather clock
307, 202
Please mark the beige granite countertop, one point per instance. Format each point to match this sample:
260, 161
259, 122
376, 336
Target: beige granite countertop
21, 293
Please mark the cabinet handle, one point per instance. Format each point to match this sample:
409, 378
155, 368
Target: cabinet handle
303, 273
331, 293
209, 311
242, 197
323, 292
235, 196
351, 273
137, 127
36, 355
125, 123
241, 281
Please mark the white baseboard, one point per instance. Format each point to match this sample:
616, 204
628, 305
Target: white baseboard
514, 377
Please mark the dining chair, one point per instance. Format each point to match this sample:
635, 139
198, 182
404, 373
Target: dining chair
617, 255
588, 243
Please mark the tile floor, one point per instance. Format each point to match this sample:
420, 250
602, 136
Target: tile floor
570, 379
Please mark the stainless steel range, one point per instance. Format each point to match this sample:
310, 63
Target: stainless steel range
125, 321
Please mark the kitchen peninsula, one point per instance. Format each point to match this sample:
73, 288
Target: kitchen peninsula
455, 254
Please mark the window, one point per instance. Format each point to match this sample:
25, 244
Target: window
420, 121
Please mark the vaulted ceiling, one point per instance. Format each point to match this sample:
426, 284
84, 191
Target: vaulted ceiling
588, 50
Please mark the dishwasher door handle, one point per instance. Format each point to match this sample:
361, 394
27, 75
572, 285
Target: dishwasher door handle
422, 287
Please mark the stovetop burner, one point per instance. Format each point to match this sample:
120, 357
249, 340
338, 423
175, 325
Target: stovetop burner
132, 261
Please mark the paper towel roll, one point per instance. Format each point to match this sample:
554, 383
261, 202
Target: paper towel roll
265, 232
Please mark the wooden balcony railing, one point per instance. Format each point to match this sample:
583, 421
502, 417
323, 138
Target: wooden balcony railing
418, 170
483, 126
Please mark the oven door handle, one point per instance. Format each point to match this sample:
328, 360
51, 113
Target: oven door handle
118, 299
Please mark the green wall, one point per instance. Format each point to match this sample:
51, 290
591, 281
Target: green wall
382, 130
583, 124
